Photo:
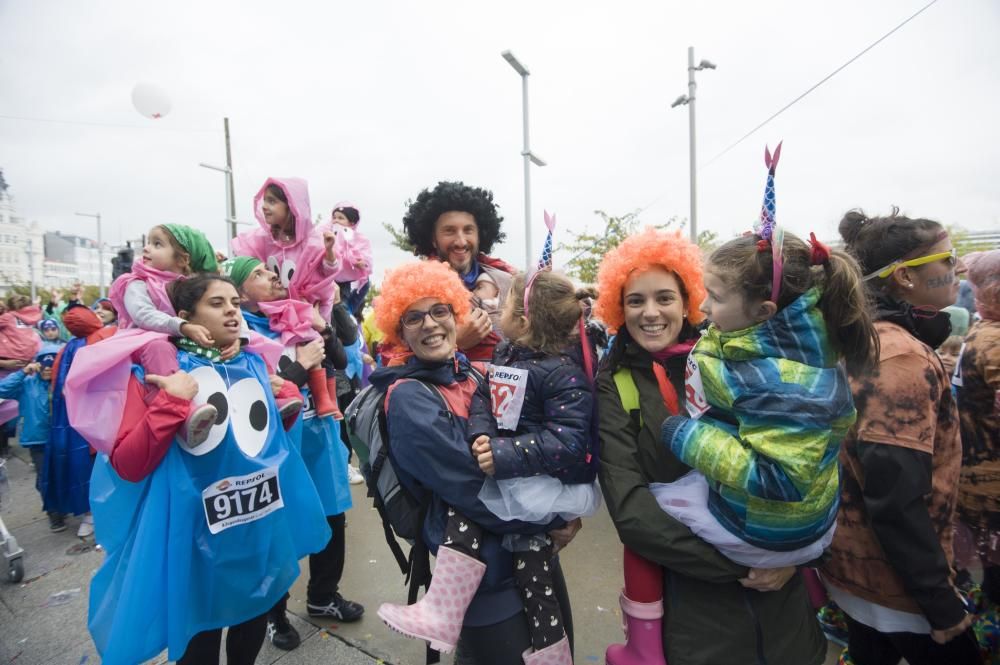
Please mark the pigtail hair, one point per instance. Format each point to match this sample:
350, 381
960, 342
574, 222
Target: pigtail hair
846, 308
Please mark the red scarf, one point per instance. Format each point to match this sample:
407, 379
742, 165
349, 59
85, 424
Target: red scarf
667, 391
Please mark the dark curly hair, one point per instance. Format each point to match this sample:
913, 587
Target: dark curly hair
419, 220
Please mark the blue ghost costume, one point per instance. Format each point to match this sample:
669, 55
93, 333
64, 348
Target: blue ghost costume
188, 550
65, 481
317, 439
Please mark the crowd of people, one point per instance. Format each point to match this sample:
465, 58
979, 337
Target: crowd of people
777, 428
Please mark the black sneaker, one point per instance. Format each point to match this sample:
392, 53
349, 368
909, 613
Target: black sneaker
57, 523
338, 608
281, 633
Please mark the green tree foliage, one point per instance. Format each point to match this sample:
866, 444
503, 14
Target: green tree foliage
961, 241
399, 238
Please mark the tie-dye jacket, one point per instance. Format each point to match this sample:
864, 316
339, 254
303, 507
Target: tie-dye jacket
780, 406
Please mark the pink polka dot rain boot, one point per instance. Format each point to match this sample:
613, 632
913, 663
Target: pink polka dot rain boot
437, 617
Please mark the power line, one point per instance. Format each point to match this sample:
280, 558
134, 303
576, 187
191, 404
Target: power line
821, 82
103, 124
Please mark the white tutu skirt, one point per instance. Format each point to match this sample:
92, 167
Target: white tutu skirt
686, 500
539, 499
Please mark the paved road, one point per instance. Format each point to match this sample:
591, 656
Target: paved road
36, 631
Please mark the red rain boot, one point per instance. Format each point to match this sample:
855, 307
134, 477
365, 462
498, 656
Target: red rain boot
554, 654
437, 617
643, 635
317, 385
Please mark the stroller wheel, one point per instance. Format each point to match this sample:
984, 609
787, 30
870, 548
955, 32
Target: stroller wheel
15, 571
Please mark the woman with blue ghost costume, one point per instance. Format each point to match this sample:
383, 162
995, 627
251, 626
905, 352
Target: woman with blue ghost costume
199, 538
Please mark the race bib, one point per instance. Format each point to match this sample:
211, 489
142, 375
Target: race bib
507, 388
694, 391
241, 499
956, 376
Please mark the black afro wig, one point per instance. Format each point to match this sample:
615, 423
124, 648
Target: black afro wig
419, 220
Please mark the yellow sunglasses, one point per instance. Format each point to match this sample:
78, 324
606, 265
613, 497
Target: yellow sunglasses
951, 256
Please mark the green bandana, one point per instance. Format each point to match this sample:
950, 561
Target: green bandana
192, 347
196, 244
239, 268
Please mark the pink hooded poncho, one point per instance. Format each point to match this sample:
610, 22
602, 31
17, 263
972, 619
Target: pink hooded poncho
156, 282
351, 247
299, 263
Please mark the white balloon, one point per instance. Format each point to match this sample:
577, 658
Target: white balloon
150, 100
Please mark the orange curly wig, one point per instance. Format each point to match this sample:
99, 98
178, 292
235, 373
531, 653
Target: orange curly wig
409, 283
641, 252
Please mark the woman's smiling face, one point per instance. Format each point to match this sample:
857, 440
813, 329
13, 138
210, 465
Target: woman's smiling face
654, 308
433, 339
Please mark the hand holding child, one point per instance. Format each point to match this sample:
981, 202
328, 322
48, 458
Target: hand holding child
483, 453
197, 334
231, 350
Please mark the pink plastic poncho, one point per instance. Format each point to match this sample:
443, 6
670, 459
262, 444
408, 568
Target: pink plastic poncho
97, 384
156, 286
292, 319
299, 263
18, 337
353, 249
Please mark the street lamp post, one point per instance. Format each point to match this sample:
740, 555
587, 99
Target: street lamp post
230, 191
31, 268
529, 157
689, 100
100, 249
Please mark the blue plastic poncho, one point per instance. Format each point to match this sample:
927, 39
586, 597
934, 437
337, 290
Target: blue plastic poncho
65, 481
213, 536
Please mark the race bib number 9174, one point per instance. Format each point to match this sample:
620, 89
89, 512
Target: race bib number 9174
241, 499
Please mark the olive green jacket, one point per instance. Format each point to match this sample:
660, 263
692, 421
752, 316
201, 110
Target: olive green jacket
710, 618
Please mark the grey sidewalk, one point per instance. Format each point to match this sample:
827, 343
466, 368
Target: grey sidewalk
34, 631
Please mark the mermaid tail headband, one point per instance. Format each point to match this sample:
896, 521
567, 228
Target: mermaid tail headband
767, 228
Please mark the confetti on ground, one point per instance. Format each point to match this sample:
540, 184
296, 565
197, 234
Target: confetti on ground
324, 635
593, 658
371, 561
84, 660
601, 609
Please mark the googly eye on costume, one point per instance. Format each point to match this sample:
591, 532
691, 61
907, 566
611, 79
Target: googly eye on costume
211, 390
242, 406
287, 272
250, 415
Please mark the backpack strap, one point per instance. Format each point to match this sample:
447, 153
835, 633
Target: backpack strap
627, 391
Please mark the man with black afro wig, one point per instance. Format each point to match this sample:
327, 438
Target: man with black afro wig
459, 224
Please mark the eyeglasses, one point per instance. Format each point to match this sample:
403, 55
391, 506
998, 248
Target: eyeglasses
414, 318
951, 256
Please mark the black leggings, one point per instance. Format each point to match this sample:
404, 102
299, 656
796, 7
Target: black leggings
326, 567
868, 646
243, 643
504, 643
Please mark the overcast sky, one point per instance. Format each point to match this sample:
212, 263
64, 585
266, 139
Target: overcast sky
373, 101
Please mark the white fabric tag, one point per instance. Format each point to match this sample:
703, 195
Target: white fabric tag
508, 386
241, 499
956, 377
694, 391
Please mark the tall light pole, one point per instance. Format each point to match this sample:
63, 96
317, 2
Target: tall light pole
100, 249
230, 192
529, 157
31, 268
689, 100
